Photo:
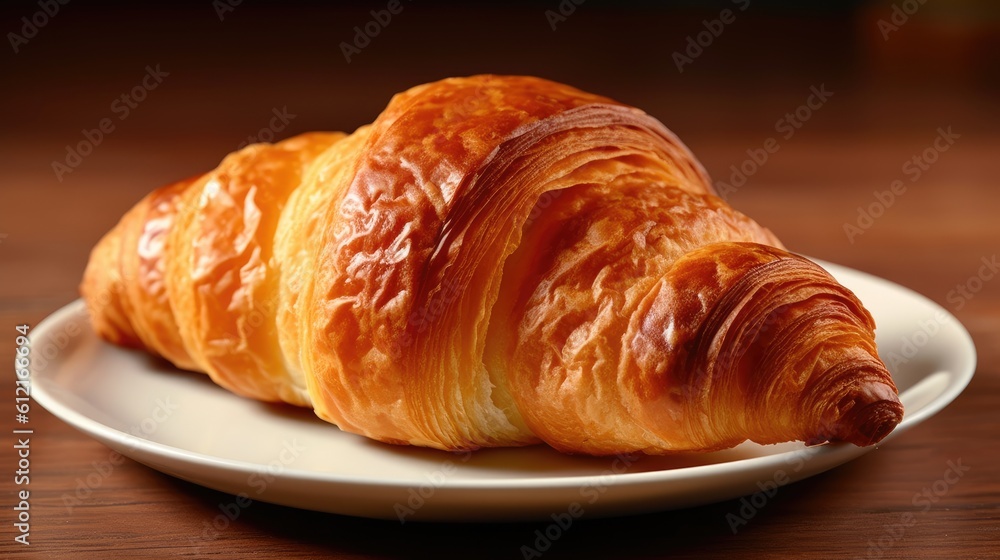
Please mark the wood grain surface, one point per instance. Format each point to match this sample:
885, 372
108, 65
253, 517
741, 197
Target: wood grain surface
891, 95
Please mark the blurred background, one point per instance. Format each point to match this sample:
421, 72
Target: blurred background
722, 74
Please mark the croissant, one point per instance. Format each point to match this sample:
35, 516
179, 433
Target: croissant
494, 261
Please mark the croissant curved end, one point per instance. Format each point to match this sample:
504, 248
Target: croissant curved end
775, 349
867, 416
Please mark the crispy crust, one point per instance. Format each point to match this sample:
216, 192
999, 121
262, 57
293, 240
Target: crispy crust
495, 261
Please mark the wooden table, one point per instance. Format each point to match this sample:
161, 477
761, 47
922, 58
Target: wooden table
227, 76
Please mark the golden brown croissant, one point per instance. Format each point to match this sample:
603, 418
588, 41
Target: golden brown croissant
495, 261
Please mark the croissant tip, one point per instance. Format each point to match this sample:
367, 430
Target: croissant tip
866, 424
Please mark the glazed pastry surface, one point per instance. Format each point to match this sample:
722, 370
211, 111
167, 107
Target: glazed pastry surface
494, 261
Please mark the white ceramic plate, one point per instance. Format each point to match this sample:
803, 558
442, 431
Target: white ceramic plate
182, 424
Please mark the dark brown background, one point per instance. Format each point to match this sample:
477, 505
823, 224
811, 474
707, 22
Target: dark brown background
941, 68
